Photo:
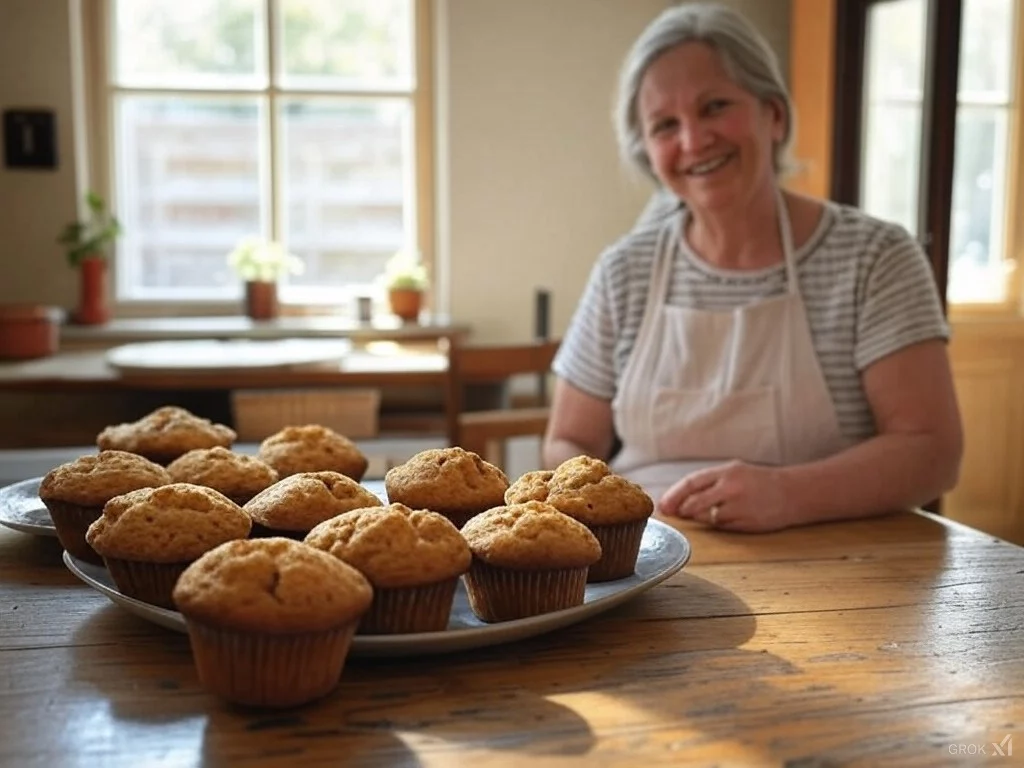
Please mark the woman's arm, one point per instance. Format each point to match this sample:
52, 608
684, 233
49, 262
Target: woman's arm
579, 424
914, 458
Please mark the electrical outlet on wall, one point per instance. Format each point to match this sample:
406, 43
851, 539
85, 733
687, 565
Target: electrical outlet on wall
30, 138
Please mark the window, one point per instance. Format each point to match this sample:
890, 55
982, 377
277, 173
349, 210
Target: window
941, 166
305, 121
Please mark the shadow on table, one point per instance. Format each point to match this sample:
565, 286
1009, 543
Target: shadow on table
149, 679
307, 736
522, 697
28, 559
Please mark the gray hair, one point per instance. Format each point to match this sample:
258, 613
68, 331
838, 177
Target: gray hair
745, 54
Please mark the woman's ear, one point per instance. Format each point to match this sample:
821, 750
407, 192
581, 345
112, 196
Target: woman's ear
779, 119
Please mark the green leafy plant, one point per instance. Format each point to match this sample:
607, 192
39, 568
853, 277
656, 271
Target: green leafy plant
92, 237
405, 272
263, 261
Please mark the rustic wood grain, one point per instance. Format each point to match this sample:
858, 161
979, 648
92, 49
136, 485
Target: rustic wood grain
873, 642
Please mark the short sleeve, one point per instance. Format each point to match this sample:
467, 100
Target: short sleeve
585, 357
900, 304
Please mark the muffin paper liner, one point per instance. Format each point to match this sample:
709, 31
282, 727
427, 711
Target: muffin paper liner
148, 582
503, 594
620, 545
269, 670
402, 610
72, 521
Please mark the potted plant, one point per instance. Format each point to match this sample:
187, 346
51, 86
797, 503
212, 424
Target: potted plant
405, 278
88, 244
261, 264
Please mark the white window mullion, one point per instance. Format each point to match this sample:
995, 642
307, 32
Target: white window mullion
273, 194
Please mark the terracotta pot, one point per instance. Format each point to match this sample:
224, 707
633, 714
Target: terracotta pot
261, 300
406, 303
93, 307
29, 330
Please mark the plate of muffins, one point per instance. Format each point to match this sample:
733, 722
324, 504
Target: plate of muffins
278, 566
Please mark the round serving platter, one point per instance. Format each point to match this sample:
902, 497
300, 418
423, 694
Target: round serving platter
21, 509
663, 552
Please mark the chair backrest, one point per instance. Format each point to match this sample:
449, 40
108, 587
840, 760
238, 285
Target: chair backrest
495, 365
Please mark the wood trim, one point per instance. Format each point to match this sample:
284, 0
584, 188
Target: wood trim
423, 108
942, 62
848, 104
812, 88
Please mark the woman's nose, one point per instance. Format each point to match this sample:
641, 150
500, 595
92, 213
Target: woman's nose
693, 136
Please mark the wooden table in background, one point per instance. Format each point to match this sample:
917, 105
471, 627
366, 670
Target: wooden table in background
896, 641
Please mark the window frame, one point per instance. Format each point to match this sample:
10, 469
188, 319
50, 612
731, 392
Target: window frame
939, 143
98, 166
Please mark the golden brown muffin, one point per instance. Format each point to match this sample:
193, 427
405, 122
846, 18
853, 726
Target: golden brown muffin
292, 506
413, 559
74, 493
165, 434
148, 537
527, 559
237, 476
613, 508
313, 448
453, 481
270, 620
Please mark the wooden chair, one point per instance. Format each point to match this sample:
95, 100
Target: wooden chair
491, 369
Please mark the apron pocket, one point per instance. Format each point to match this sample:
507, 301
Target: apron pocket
695, 424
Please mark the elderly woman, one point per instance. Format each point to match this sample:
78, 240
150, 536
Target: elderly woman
765, 359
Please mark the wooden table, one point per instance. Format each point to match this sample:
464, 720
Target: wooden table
377, 364
893, 641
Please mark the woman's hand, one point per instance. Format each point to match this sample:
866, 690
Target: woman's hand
735, 497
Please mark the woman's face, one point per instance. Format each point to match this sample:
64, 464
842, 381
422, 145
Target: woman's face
708, 140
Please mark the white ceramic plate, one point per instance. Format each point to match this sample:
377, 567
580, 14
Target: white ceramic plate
664, 551
21, 509
212, 356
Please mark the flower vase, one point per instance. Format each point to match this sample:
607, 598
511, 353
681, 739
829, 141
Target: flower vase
93, 308
406, 303
261, 300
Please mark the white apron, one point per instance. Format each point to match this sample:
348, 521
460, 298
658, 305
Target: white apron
702, 387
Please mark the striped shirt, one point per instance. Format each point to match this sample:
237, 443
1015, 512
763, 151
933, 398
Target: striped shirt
866, 284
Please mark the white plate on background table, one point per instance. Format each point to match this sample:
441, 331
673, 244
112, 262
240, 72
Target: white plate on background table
21, 509
663, 552
215, 356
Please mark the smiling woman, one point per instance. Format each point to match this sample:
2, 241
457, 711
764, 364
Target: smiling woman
764, 359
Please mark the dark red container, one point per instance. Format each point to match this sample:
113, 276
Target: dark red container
29, 330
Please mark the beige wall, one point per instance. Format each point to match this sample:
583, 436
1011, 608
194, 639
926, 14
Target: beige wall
35, 71
530, 188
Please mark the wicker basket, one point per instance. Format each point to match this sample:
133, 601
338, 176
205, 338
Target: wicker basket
350, 412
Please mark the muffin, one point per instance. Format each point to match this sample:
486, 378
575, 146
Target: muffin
165, 434
528, 559
613, 508
313, 448
270, 621
413, 559
291, 507
75, 493
148, 537
237, 476
455, 482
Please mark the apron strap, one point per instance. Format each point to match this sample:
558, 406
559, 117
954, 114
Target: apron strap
786, 234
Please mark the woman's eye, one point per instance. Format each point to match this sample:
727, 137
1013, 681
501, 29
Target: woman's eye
662, 125
715, 106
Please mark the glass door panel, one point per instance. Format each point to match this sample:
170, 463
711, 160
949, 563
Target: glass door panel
894, 81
